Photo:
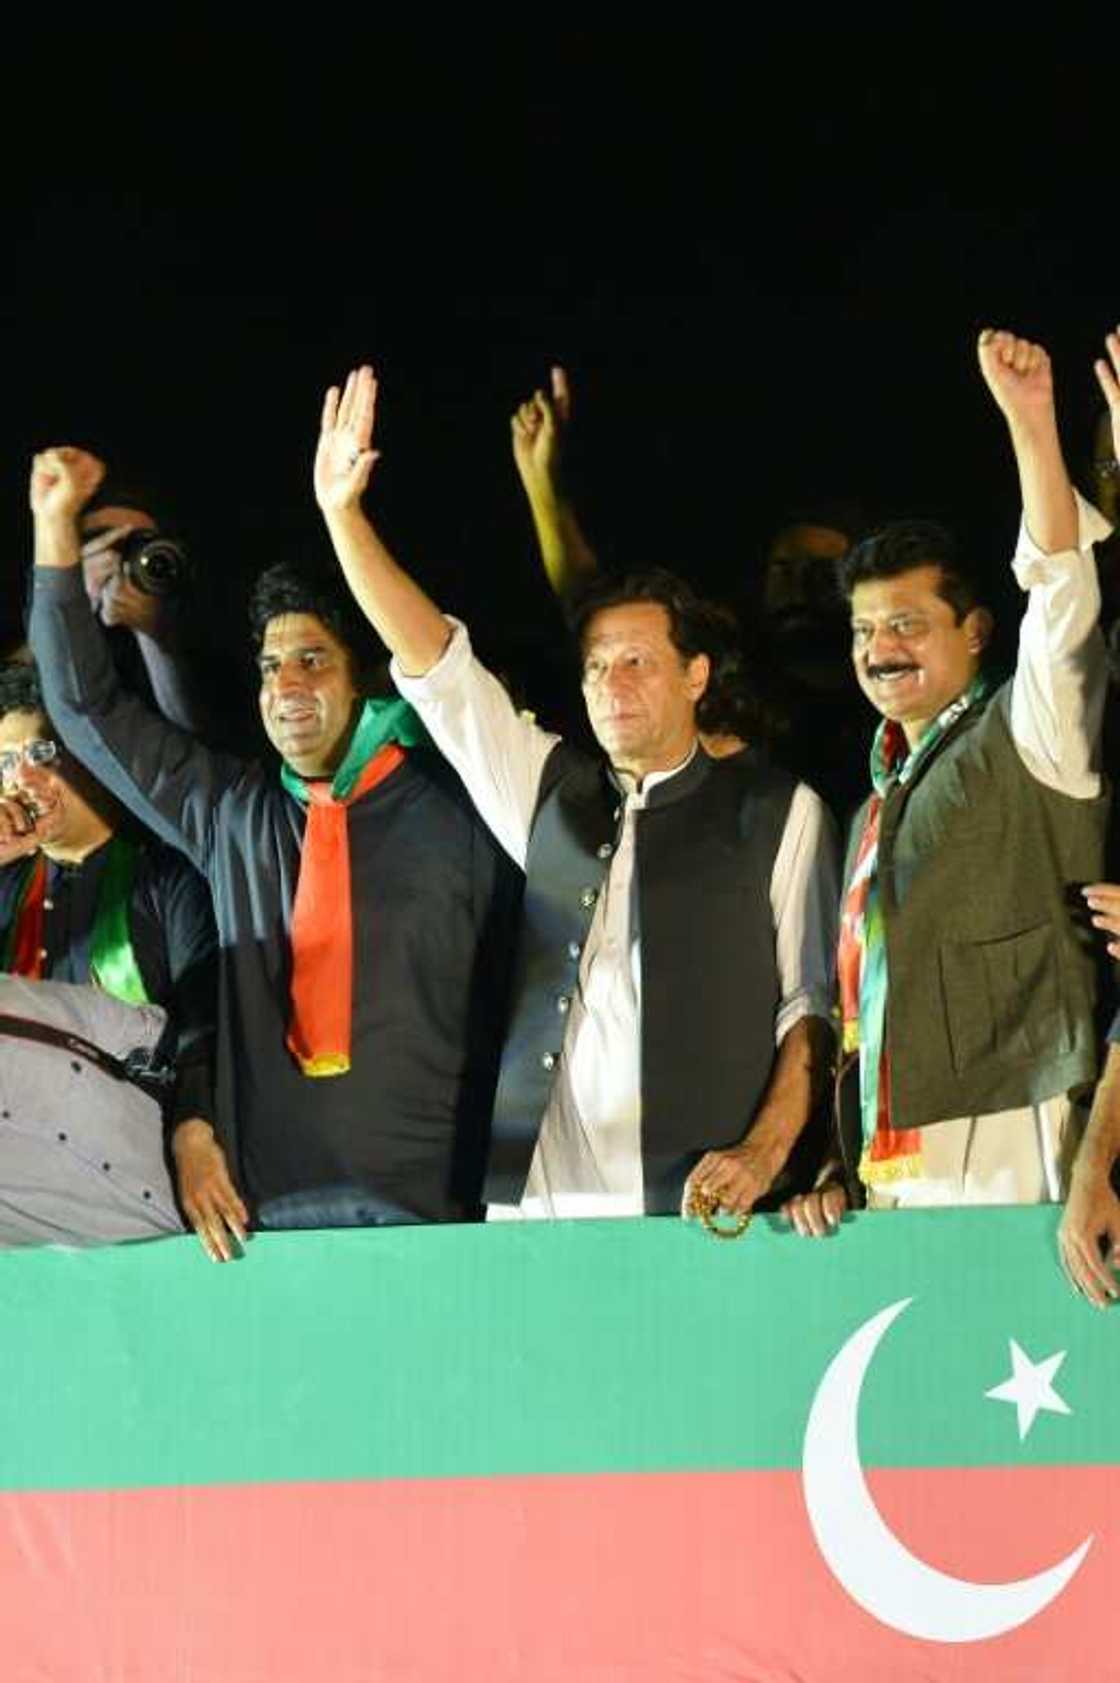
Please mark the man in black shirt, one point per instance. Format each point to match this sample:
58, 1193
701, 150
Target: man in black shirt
359, 1003
86, 900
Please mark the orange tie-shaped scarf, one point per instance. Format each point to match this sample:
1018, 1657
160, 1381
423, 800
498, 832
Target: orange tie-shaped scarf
323, 925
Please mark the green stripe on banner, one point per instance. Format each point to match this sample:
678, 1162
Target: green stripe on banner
633, 1346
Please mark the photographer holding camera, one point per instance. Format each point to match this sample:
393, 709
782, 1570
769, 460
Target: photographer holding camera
138, 580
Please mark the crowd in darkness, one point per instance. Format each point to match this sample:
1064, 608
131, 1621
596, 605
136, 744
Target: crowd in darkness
805, 909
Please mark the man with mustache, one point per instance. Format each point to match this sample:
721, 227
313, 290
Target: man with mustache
967, 984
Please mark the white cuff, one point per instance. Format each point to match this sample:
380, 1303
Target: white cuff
442, 678
1033, 565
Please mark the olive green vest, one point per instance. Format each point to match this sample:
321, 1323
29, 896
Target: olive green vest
991, 960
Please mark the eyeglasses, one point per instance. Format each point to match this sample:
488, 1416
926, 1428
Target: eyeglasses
40, 751
904, 628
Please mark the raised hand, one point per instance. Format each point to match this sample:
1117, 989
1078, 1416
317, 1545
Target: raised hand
1108, 378
63, 479
538, 427
113, 597
344, 459
1018, 376
100, 562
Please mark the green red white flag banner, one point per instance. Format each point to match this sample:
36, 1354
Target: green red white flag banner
561, 1452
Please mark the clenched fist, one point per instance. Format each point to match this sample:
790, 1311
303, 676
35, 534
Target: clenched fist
63, 479
1018, 376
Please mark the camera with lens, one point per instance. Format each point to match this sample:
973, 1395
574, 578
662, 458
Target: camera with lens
157, 565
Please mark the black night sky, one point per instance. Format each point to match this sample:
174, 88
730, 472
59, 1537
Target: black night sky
764, 272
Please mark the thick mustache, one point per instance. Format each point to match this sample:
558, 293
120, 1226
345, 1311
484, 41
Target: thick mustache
890, 667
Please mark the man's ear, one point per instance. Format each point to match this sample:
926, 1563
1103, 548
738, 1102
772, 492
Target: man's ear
698, 674
979, 625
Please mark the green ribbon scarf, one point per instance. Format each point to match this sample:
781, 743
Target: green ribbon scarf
113, 966
889, 771
380, 722
112, 963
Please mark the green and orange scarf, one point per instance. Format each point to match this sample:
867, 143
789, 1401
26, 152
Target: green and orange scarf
322, 930
113, 965
889, 1154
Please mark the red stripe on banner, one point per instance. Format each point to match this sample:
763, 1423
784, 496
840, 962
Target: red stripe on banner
647, 1577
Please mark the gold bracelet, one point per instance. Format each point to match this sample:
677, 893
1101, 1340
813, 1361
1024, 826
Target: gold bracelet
705, 1207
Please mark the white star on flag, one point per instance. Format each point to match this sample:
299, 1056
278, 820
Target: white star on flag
1031, 1387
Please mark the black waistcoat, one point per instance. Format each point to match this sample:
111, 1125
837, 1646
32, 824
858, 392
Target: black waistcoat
704, 854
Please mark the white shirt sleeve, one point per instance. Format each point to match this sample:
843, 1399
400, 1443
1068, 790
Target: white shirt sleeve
805, 900
497, 751
1061, 676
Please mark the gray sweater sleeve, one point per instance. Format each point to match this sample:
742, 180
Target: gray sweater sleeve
163, 775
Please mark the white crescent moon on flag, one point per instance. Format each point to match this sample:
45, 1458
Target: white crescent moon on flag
871, 1563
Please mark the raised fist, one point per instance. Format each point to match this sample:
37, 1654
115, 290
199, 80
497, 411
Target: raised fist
1018, 375
63, 479
538, 428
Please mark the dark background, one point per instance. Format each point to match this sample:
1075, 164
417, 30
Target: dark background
764, 264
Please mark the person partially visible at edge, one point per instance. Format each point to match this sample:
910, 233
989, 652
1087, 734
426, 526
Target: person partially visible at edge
967, 984
732, 715
87, 899
359, 903
798, 641
672, 987
1089, 1235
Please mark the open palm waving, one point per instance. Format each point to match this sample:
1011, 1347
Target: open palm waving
344, 460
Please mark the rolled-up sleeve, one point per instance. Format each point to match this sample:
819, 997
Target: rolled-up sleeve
1061, 675
805, 898
498, 752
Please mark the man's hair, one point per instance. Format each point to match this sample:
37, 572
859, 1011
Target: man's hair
830, 514
904, 545
20, 690
136, 494
696, 627
289, 588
